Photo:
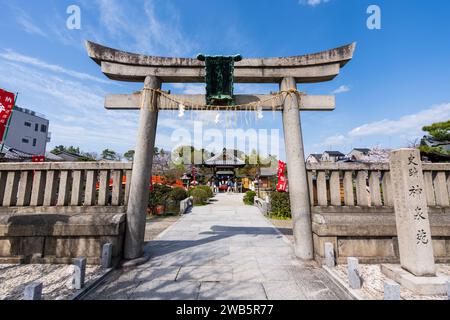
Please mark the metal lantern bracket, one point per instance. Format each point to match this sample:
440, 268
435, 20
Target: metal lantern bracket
219, 78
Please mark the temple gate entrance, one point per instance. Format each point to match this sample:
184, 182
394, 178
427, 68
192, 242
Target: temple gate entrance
287, 72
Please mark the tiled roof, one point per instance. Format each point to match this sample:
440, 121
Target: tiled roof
227, 159
269, 172
335, 153
13, 154
316, 156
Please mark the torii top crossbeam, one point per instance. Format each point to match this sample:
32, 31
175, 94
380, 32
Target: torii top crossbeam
310, 68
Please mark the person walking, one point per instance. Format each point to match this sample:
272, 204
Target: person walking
230, 186
216, 186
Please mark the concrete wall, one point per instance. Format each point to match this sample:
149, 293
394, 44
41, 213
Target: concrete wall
27, 132
370, 234
55, 212
59, 238
353, 208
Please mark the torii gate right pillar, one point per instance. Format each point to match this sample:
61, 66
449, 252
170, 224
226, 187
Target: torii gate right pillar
297, 176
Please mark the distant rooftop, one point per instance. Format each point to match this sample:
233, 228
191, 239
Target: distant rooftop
362, 150
225, 158
335, 153
31, 112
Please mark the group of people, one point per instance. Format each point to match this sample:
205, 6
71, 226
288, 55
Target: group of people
218, 185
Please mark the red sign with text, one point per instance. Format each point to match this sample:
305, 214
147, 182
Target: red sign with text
38, 159
6, 107
282, 181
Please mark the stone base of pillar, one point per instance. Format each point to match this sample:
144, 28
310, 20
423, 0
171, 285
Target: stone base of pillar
418, 285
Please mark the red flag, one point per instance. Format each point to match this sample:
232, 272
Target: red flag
6, 106
282, 181
281, 168
38, 159
282, 184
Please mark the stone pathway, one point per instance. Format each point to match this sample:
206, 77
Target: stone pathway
225, 250
157, 225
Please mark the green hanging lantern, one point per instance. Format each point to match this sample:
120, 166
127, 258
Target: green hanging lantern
219, 78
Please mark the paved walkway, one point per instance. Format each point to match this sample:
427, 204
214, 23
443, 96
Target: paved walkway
221, 251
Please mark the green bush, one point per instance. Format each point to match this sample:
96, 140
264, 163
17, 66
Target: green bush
200, 196
208, 190
158, 195
280, 204
249, 198
178, 194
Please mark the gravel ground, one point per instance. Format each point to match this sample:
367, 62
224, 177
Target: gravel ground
56, 280
373, 285
157, 225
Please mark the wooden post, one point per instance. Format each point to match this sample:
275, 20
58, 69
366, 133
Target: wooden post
142, 171
298, 182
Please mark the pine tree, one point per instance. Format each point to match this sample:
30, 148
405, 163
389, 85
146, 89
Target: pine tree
437, 144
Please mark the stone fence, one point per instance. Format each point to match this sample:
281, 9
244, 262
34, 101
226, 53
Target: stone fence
262, 205
69, 187
186, 204
352, 207
55, 212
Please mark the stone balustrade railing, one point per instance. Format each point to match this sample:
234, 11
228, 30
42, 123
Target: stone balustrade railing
370, 185
353, 208
78, 186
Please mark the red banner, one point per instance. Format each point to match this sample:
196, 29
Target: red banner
282, 181
6, 106
38, 159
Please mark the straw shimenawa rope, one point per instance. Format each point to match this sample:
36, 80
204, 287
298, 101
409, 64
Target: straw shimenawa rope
277, 99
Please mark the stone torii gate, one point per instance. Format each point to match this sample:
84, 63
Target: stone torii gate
153, 71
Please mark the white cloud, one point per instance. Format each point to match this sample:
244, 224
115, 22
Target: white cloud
337, 140
312, 3
406, 128
341, 89
28, 24
190, 88
147, 32
410, 124
17, 57
75, 110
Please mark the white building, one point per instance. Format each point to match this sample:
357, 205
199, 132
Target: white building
358, 154
313, 158
28, 132
332, 156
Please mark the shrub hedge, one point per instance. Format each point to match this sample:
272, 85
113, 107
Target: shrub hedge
200, 196
158, 195
249, 198
208, 190
178, 194
280, 204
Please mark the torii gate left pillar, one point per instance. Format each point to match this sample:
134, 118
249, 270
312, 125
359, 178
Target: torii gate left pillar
142, 170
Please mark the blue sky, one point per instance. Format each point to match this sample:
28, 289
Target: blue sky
397, 82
